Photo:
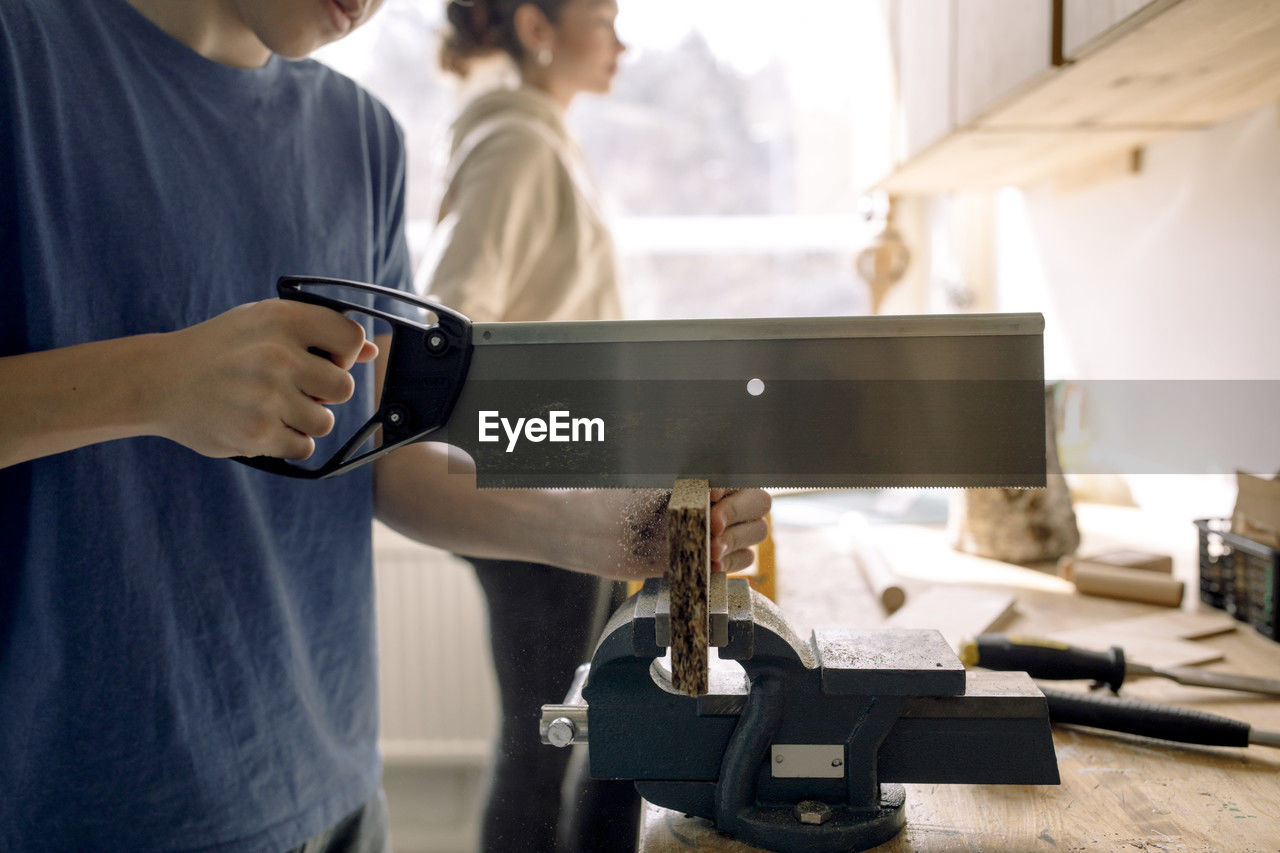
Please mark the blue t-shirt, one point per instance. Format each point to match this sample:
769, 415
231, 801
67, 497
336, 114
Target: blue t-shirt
186, 644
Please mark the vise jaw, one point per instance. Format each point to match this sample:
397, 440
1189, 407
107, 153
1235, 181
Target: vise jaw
797, 746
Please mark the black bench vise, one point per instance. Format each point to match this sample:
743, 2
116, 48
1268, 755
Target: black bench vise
797, 746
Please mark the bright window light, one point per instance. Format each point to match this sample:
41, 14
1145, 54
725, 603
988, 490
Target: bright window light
730, 156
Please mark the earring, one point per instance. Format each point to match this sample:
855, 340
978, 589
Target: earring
544, 57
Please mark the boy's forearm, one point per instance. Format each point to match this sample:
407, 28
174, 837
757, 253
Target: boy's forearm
428, 493
614, 533
61, 399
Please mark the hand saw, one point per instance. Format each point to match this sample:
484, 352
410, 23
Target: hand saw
938, 400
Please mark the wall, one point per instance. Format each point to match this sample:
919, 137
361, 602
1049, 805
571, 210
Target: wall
1169, 273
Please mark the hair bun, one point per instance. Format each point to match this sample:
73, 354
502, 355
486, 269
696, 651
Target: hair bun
474, 30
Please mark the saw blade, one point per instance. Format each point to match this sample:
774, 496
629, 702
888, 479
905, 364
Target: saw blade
939, 400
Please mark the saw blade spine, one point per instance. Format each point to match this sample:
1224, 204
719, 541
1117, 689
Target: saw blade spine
758, 328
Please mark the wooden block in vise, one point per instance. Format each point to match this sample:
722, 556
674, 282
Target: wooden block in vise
688, 574
717, 613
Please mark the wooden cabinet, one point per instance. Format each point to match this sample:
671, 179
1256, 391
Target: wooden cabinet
1085, 20
954, 59
920, 33
999, 46
981, 105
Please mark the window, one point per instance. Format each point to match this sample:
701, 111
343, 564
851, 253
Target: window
727, 156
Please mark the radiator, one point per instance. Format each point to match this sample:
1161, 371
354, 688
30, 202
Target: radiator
439, 701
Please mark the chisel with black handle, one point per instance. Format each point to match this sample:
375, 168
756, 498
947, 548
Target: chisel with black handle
1182, 725
1058, 661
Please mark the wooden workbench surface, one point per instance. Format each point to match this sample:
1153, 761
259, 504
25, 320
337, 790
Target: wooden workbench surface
1118, 792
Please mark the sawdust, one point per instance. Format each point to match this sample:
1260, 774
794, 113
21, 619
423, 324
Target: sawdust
644, 527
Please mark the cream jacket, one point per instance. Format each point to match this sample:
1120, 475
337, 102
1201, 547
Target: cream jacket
519, 233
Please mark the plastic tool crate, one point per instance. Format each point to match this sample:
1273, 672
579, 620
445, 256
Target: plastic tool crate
1239, 575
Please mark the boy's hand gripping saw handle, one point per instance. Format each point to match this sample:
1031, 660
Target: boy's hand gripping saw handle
427, 366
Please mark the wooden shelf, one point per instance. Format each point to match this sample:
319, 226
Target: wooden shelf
1176, 65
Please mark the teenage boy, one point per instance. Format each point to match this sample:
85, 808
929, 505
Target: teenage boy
187, 644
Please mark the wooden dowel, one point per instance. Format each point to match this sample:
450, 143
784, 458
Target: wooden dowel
1128, 584
872, 565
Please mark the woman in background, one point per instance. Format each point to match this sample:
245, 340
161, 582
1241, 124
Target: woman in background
520, 238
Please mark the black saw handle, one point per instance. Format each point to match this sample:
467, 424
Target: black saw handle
427, 367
